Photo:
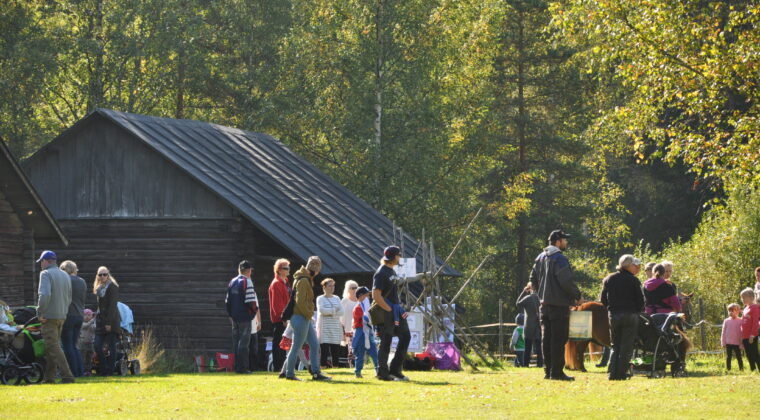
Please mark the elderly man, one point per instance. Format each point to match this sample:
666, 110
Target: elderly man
52, 309
622, 295
552, 275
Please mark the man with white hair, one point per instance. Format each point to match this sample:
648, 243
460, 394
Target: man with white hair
624, 300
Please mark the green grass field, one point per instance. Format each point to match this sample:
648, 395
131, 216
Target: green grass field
708, 393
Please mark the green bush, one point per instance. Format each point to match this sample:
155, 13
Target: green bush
719, 260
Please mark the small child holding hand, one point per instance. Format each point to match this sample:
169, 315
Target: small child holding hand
731, 336
363, 339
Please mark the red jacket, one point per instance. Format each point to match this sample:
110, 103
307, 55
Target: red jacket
279, 296
750, 321
358, 317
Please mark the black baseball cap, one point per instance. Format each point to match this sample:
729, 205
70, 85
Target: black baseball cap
557, 235
389, 253
245, 265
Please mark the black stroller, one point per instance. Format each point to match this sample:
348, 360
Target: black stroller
21, 355
660, 343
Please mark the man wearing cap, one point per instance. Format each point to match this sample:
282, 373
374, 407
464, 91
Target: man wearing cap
53, 306
242, 308
557, 292
622, 295
385, 284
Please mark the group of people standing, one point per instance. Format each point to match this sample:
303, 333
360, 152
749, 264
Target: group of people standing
547, 299
69, 330
742, 327
340, 323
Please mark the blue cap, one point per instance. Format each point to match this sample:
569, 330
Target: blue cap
390, 252
47, 255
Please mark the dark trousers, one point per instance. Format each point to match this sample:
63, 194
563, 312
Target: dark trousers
105, 363
531, 346
69, 339
278, 354
623, 329
605, 357
387, 331
733, 348
253, 352
750, 348
331, 354
555, 323
241, 338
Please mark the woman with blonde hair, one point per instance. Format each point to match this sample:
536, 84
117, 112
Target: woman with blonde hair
107, 321
348, 302
279, 297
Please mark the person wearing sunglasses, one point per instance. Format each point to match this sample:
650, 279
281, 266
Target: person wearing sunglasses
279, 297
107, 320
348, 302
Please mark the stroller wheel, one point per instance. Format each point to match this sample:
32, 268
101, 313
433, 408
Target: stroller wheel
134, 367
10, 375
34, 375
122, 367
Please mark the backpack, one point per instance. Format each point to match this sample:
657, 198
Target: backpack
287, 313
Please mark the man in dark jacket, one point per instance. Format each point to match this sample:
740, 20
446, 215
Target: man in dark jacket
622, 295
557, 291
241, 308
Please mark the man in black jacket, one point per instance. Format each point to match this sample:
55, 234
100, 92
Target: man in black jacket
622, 295
552, 275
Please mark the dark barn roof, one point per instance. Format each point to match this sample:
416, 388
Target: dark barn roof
281, 193
24, 199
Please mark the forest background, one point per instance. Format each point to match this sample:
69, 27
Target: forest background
631, 125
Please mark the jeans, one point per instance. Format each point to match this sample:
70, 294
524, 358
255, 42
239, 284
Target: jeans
303, 332
750, 348
253, 352
533, 345
733, 348
357, 343
69, 338
56, 360
519, 358
605, 357
623, 329
241, 337
106, 363
387, 331
555, 325
278, 354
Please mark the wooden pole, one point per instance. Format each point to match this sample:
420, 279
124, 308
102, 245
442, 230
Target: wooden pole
702, 331
501, 333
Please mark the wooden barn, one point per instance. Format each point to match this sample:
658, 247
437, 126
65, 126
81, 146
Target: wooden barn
24, 222
171, 206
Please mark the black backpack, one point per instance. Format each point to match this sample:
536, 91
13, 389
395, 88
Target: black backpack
287, 313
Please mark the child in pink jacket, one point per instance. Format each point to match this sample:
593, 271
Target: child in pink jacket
731, 336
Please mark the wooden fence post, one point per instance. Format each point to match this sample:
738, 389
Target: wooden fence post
702, 331
501, 328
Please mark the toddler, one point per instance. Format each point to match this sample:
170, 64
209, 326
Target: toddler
731, 336
363, 339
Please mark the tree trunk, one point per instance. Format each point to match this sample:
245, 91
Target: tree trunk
95, 98
378, 125
522, 121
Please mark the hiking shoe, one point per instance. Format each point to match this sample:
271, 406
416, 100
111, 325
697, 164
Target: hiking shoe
320, 377
282, 375
386, 378
562, 378
292, 378
399, 377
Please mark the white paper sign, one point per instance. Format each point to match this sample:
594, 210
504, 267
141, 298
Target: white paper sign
407, 267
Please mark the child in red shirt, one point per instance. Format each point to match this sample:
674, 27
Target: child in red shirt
750, 320
364, 339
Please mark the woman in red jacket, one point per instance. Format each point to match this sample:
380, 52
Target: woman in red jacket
279, 296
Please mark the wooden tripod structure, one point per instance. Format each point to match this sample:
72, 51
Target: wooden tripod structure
433, 308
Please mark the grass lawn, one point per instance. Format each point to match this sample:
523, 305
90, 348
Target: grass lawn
708, 393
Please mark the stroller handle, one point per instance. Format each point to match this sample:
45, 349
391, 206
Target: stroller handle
34, 320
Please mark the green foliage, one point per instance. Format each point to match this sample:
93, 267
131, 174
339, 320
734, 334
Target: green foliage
719, 260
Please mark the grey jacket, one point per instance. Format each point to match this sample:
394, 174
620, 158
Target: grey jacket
552, 274
78, 292
529, 304
55, 293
